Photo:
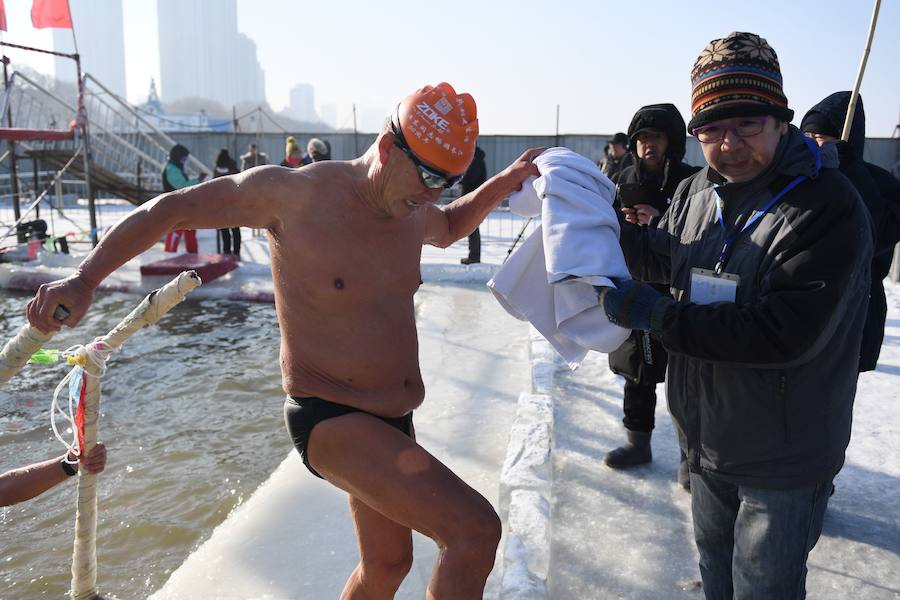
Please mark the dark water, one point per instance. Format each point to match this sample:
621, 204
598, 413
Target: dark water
191, 416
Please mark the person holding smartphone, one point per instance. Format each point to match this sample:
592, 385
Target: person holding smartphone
643, 193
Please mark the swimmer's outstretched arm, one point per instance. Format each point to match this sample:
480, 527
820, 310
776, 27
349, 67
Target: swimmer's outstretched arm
250, 199
456, 220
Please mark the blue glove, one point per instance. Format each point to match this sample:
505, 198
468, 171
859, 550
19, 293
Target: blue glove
629, 304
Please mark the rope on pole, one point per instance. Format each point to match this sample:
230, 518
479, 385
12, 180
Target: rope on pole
148, 312
851, 108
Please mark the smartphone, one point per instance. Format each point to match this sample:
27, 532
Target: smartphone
629, 194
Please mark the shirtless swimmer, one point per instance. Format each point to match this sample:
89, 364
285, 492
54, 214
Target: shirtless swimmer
345, 241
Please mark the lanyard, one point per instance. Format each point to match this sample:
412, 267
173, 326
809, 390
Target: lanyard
732, 237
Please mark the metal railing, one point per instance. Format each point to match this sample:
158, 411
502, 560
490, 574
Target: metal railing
123, 142
126, 143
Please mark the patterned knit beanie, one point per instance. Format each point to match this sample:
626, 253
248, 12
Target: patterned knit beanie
737, 76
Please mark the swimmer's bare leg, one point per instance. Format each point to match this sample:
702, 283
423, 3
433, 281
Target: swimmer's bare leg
387, 471
385, 554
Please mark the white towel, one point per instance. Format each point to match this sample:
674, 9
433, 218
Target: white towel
549, 280
526, 201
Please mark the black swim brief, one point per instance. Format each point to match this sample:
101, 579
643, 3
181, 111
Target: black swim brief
302, 414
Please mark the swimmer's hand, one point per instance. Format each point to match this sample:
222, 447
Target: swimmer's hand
71, 293
521, 169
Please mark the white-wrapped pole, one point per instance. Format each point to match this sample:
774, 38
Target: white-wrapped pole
18, 350
148, 312
851, 106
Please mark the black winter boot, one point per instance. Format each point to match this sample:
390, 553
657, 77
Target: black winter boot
635, 452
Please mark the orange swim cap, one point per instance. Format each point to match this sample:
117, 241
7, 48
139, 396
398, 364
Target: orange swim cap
440, 127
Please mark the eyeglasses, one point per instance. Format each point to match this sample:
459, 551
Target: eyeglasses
745, 128
431, 177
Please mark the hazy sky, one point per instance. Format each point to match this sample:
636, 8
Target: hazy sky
599, 60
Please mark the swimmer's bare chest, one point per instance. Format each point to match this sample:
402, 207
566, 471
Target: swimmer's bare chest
345, 305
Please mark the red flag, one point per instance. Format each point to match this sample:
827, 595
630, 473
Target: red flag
51, 13
2, 17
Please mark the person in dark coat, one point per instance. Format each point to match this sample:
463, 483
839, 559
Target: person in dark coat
471, 181
225, 165
616, 156
767, 253
824, 123
658, 142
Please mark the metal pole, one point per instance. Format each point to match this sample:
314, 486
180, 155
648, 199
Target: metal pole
516, 241
556, 142
258, 128
13, 170
234, 130
355, 135
88, 159
37, 185
862, 69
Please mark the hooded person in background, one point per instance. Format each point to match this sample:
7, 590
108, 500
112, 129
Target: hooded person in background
766, 252
616, 156
175, 178
658, 142
225, 165
824, 123
293, 154
316, 150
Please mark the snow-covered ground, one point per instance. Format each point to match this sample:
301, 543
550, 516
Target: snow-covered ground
628, 534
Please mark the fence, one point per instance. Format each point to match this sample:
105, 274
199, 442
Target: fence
500, 150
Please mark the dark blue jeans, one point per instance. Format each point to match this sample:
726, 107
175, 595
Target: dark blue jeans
754, 542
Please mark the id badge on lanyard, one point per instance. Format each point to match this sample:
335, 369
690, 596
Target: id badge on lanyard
709, 287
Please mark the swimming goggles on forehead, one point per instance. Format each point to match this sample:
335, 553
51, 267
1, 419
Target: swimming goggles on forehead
431, 177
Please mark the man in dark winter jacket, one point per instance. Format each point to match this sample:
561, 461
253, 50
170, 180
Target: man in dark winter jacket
766, 252
472, 180
644, 191
824, 123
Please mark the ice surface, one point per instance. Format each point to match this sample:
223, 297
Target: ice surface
294, 537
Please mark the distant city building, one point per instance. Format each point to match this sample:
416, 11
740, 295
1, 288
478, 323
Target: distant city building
328, 114
302, 103
202, 54
100, 31
152, 113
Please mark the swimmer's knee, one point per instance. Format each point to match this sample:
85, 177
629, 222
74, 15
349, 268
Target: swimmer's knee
489, 530
479, 535
387, 569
